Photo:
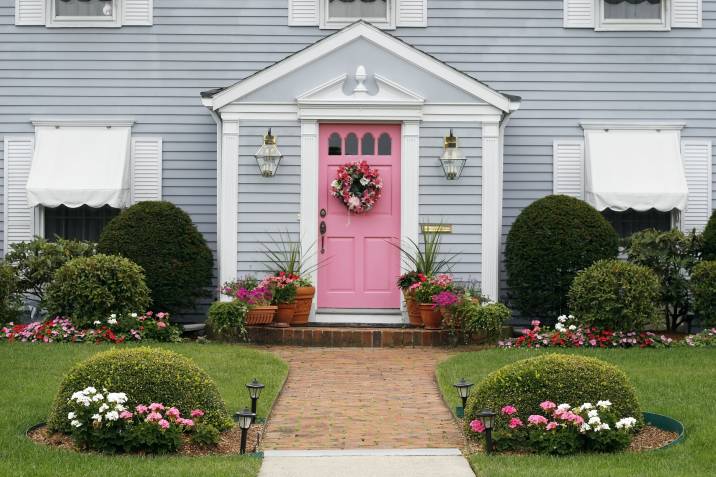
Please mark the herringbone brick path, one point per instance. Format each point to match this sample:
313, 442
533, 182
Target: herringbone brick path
350, 398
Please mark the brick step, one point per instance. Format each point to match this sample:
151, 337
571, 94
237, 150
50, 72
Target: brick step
362, 337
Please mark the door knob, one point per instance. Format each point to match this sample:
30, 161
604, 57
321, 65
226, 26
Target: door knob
323, 236
323, 212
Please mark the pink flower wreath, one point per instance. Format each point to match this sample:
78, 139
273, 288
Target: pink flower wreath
358, 186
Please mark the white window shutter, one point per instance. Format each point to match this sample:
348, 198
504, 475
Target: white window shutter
303, 12
412, 13
30, 12
19, 216
696, 155
579, 13
146, 169
568, 172
686, 13
137, 12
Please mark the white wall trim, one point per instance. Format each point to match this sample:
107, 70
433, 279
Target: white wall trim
410, 183
82, 122
491, 209
309, 196
634, 125
228, 203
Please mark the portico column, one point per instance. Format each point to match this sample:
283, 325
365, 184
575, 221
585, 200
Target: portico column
491, 209
228, 203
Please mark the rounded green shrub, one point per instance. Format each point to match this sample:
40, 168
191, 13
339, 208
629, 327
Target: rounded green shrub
227, 319
703, 289
559, 378
146, 375
550, 241
10, 300
709, 238
616, 295
92, 288
161, 238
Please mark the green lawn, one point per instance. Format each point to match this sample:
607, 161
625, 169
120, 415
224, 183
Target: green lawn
680, 383
31, 374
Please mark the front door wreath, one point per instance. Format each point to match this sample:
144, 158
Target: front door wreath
358, 186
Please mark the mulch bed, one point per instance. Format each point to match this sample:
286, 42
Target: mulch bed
230, 441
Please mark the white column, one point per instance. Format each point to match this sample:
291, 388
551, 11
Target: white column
491, 209
309, 198
410, 184
228, 203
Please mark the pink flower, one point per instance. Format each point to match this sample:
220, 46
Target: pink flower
536, 322
126, 415
477, 426
161, 315
154, 417
515, 422
156, 406
173, 412
161, 324
197, 413
185, 422
509, 410
164, 424
141, 409
537, 420
547, 405
551, 425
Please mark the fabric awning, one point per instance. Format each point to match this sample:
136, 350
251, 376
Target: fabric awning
634, 169
77, 166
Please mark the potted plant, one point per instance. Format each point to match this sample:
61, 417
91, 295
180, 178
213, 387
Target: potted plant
305, 291
283, 287
258, 299
408, 282
430, 311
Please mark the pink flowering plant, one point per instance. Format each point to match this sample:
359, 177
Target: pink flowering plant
561, 429
102, 421
282, 286
434, 286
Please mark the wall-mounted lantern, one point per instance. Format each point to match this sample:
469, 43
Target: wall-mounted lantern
268, 156
452, 159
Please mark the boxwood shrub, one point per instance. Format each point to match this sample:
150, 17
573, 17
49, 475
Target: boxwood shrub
92, 288
227, 320
709, 238
551, 240
560, 378
146, 375
10, 299
615, 295
161, 238
703, 289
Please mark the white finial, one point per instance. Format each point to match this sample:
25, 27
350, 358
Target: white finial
360, 79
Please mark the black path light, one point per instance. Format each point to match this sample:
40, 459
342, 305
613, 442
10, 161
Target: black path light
255, 388
487, 418
463, 390
244, 418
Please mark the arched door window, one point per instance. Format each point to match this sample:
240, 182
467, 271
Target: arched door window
384, 145
334, 145
351, 145
368, 145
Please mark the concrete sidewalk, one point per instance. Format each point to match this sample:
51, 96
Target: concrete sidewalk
366, 463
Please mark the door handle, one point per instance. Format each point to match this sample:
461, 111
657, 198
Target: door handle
323, 236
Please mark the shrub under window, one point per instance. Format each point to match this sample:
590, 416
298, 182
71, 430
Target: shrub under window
703, 288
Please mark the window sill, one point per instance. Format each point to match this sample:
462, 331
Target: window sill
624, 27
337, 25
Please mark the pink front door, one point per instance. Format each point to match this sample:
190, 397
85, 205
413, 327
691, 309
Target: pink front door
360, 266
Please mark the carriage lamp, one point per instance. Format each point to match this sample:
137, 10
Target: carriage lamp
255, 388
487, 418
268, 156
463, 390
244, 418
452, 159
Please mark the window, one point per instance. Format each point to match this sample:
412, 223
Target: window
84, 13
632, 15
81, 223
631, 221
339, 13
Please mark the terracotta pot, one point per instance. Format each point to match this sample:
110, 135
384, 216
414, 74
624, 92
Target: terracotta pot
284, 314
260, 315
304, 301
413, 308
430, 316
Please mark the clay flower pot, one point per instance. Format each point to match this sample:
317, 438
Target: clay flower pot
260, 315
284, 314
431, 316
413, 308
304, 301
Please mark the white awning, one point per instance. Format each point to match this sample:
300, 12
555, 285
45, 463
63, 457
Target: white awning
634, 169
80, 165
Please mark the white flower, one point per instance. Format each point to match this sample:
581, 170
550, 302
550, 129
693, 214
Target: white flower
71, 415
587, 405
113, 315
364, 181
594, 421
585, 427
112, 321
103, 408
119, 398
89, 390
76, 423
97, 397
119, 408
97, 418
134, 315
625, 423
571, 317
572, 327
562, 318
593, 413
97, 322
604, 427
559, 327
112, 416
604, 404
564, 407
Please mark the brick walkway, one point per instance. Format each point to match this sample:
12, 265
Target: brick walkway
350, 398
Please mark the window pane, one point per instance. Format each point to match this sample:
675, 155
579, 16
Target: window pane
384, 145
83, 8
357, 9
351, 145
368, 145
632, 9
334, 145
631, 221
81, 223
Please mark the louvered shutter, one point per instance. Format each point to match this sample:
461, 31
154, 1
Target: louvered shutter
686, 13
30, 12
412, 13
19, 216
146, 169
568, 172
579, 13
696, 155
303, 12
137, 12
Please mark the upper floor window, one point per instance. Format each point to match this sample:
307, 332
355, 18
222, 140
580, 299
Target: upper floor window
84, 13
632, 15
339, 13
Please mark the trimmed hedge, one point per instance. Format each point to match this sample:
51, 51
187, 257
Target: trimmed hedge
551, 240
161, 238
92, 288
560, 378
616, 295
146, 375
703, 289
